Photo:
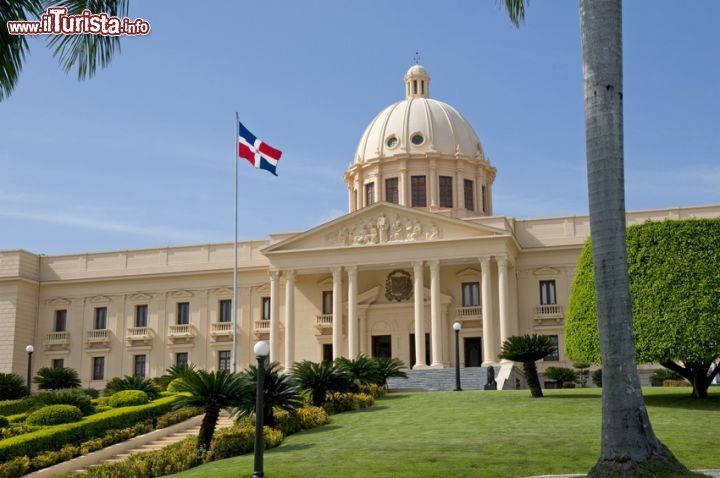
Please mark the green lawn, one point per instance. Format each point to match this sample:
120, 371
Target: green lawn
477, 434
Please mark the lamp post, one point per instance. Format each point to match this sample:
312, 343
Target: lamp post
29, 349
456, 327
262, 350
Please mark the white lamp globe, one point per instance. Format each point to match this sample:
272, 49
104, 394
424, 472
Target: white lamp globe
29, 349
457, 326
262, 349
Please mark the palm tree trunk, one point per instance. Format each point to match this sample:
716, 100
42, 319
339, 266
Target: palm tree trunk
533, 381
629, 446
207, 428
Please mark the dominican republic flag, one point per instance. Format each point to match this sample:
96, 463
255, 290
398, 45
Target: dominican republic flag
260, 154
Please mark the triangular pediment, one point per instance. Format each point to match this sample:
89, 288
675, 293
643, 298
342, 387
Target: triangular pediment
546, 271
383, 224
141, 297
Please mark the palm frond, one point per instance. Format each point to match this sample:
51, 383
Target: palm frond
515, 10
13, 47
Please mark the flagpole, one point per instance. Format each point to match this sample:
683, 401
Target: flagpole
235, 259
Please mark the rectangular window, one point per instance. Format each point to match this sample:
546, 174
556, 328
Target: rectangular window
547, 292
327, 298
100, 318
470, 294
418, 191
266, 308
327, 354
60, 320
391, 190
446, 191
98, 370
484, 198
469, 195
58, 363
139, 365
224, 360
555, 356
183, 313
225, 310
182, 359
141, 315
369, 193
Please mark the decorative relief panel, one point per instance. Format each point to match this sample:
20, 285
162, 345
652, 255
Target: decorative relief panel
382, 229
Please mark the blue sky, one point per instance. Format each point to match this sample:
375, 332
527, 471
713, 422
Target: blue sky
142, 154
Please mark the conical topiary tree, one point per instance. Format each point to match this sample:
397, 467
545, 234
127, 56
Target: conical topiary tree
527, 349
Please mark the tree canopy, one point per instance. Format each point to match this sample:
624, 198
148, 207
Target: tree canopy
675, 287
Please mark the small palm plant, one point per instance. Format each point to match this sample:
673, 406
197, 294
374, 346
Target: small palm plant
174, 372
362, 370
281, 391
528, 349
214, 391
129, 382
12, 386
390, 367
51, 378
319, 378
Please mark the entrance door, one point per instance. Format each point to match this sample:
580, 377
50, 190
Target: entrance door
381, 346
473, 351
412, 350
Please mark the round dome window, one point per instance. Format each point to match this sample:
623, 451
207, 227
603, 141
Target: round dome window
417, 139
391, 142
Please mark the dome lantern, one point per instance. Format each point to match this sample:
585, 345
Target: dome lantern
417, 82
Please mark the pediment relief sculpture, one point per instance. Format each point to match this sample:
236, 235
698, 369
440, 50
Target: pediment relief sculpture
382, 229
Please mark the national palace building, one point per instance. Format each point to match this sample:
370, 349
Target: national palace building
418, 250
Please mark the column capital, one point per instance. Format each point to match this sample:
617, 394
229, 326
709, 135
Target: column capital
274, 274
485, 261
351, 269
502, 261
417, 264
336, 271
289, 274
434, 264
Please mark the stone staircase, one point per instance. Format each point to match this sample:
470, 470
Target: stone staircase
441, 379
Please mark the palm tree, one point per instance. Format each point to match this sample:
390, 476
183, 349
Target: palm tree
361, 370
281, 391
12, 386
527, 349
390, 367
129, 382
319, 379
173, 372
51, 378
213, 391
83, 52
629, 445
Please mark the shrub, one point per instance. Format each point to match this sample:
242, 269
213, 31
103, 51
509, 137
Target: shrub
128, 382
375, 391
311, 417
364, 400
4, 422
675, 383
657, 378
12, 386
561, 375
92, 392
597, 377
128, 398
54, 415
13, 407
286, 422
236, 441
51, 378
568, 385
15, 467
583, 373
66, 396
177, 416
344, 402
91, 427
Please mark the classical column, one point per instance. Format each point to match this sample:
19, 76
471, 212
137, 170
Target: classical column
289, 318
459, 187
435, 317
503, 290
274, 319
419, 315
352, 312
358, 193
403, 186
433, 180
337, 312
489, 349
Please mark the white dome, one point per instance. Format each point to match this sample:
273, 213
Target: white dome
418, 125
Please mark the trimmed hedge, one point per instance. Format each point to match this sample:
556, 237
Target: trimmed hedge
52, 438
236, 441
54, 415
65, 396
13, 407
128, 398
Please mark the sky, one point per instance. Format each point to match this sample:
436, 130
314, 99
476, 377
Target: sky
142, 155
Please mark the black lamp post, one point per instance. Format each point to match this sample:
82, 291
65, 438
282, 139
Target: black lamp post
262, 350
456, 327
29, 349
